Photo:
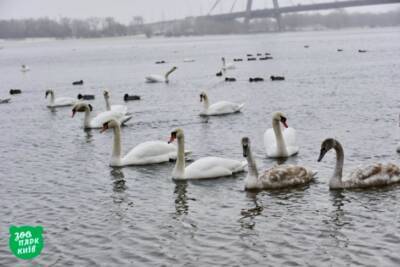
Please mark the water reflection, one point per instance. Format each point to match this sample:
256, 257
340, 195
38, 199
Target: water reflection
181, 199
337, 219
247, 221
89, 135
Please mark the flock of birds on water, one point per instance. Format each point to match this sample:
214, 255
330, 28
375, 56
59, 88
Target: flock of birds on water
279, 142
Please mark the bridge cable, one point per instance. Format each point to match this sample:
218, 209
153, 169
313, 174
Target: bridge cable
213, 7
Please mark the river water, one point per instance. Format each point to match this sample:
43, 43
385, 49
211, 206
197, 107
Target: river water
55, 174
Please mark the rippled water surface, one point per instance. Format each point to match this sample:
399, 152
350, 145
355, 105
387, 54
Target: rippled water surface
55, 174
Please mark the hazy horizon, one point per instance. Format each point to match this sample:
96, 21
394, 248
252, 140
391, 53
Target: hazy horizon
151, 10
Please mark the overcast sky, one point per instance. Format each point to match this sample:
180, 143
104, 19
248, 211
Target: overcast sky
151, 10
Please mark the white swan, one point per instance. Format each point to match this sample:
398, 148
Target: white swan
370, 176
149, 152
24, 68
219, 108
154, 78
100, 119
61, 101
119, 108
203, 168
280, 144
227, 66
279, 176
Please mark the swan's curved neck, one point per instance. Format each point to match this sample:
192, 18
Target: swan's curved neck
336, 180
86, 120
252, 167
117, 149
179, 169
108, 107
167, 74
206, 104
51, 98
280, 142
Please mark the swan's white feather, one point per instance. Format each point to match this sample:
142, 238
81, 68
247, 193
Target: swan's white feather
150, 152
155, 78
213, 167
289, 135
101, 118
221, 108
119, 108
63, 102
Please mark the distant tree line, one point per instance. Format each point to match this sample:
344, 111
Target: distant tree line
108, 27
68, 28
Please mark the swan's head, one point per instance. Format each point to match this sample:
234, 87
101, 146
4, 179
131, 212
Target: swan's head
49, 92
106, 94
109, 124
326, 145
203, 96
280, 117
246, 146
81, 107
176, 134
174, 68
223, 59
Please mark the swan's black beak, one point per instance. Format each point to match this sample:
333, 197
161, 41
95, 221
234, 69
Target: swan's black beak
321, 155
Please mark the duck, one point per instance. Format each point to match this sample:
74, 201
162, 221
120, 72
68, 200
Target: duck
219, 74
251, 59
256, 79
80, 82
98, 121
203, 168
5, 100
119, 108
265, 58
25, 68
85, 97
280, 144
154, 78
15, 91
374, 175
149, 152
230, 79
277, 177
277, 78
188, 60
362, 51
227, 65
219, 108
237, 59
128, 97
59, 102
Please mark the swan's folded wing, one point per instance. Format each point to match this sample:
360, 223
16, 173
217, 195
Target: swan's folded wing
119, 108
269, 140
223, 107
212, 167
101, 118
286, 176
289, 134
149, 149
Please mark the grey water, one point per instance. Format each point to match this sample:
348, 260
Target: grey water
55, 174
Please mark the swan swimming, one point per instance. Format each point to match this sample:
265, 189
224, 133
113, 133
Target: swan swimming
59, 102
219, 108
25, 68
279, 176
227, 66
154, 78
149, 152
119, 108
100, 119
203, 168
280, 144
377, 174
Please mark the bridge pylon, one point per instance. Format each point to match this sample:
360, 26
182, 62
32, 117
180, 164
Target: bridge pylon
277, 15
248, 13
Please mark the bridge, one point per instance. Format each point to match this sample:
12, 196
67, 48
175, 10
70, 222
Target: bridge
277, 11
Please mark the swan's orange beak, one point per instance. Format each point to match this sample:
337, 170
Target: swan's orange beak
73, 113
285, 124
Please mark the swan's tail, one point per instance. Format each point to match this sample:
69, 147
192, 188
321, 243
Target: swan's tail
125, 119
243, 164
240, 107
